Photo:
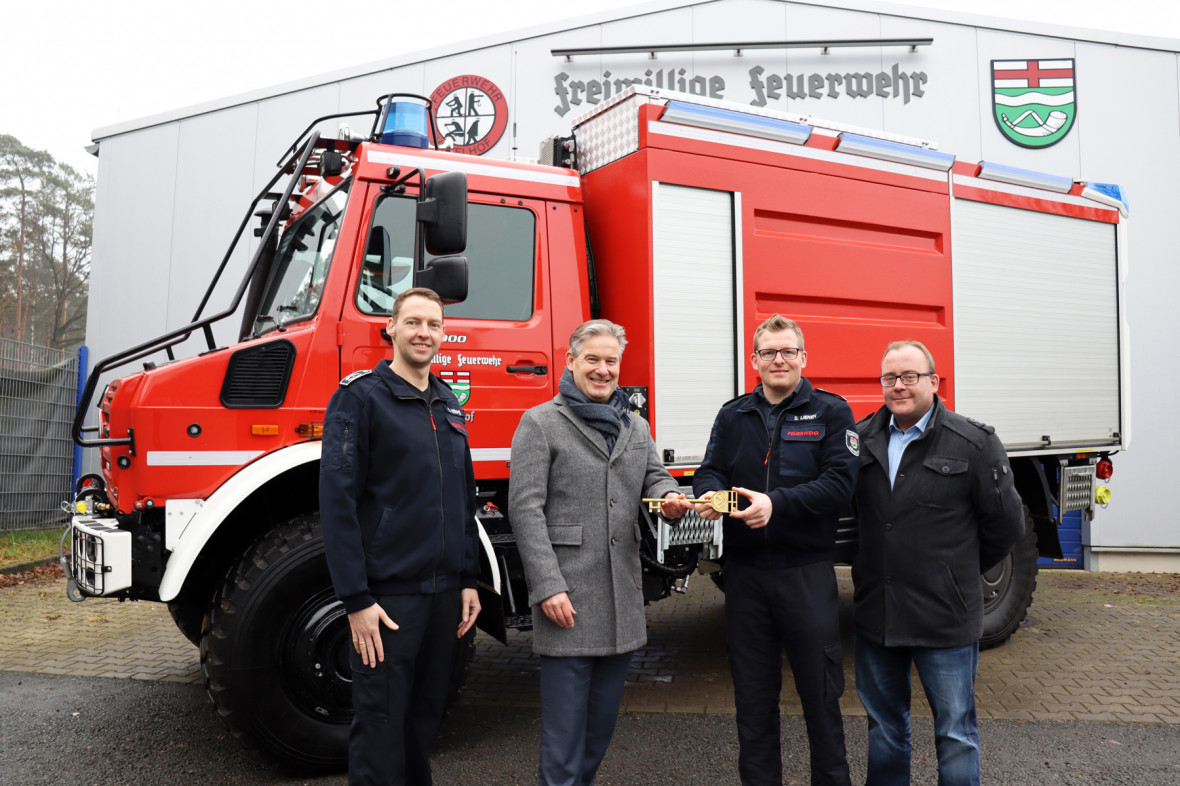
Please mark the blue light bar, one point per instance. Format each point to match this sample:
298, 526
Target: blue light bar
894, 151
1025, 177
1108, 194
406, 124
735, 122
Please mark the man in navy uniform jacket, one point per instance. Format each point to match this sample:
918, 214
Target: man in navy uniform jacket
397, 503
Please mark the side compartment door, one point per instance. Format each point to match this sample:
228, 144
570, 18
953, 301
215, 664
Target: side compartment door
694, 266
497, 352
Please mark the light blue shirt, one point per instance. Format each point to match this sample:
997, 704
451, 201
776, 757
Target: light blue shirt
898, 439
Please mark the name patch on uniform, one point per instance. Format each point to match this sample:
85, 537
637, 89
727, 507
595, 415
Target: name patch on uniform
804, 433
354, 376
852, 442
812, 416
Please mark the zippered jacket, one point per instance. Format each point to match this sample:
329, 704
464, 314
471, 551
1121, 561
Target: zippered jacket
808, 468
397, 489
953, 512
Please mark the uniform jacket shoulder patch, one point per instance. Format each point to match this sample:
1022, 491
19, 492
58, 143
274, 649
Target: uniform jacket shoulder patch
852, 442
354, 376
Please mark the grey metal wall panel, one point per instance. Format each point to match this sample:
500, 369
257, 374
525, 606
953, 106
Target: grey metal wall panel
949, 111
133, 226
1063, 158
1129, 133
214, 186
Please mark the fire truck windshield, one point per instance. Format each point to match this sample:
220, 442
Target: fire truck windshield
301, 264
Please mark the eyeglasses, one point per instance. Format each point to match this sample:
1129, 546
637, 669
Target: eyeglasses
908, 378
788, 353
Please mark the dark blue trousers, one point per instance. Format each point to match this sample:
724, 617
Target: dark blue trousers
579, 706
767, 610
400, 703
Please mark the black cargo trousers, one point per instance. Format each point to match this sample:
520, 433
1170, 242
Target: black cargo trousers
400, 703
768, 610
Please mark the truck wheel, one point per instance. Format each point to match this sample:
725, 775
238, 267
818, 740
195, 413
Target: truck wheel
275, 652
1008, 589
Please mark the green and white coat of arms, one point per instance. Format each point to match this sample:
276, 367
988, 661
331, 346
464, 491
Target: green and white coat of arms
1034, 101
459, 383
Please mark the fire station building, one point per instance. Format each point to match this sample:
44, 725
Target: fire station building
1086, 104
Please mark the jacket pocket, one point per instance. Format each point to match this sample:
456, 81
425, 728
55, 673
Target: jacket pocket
565, 534
946, 481
371, 695
339, 437
402, 548
799, 447
567, 547
953, 590
458, 441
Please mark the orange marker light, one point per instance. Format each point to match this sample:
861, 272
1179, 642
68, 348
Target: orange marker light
264, 431
310, 430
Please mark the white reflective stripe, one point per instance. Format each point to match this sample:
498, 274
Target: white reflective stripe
1033, 193
491, 454
472, 168
771, 146
200, 458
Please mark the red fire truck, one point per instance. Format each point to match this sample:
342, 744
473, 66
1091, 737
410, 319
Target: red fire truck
686, 220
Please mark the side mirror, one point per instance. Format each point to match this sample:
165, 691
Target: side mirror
443, 213
447, 276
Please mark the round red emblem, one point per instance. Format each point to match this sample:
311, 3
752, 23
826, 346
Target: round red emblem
470, 111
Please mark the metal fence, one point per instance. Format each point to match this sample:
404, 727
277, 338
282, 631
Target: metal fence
38, 394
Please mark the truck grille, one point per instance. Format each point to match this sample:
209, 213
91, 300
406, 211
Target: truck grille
1077, 490
689, 530
257, 376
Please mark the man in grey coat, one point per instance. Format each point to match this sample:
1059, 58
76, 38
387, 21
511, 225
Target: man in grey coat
580, 465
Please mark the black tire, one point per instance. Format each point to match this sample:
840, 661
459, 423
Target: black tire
190, 619
1008, 589
275, 653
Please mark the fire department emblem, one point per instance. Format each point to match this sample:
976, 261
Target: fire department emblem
459, 382
471, 112
852, 442
1034, 101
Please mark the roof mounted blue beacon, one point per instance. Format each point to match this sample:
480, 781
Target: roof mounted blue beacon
406, 124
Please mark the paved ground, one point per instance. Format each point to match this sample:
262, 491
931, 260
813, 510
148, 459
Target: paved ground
1096, 647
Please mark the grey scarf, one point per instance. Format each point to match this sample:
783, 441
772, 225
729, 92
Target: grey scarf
607, 419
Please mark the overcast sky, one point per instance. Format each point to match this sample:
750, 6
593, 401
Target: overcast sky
71, 66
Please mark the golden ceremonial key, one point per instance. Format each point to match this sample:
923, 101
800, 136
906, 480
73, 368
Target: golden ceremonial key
722, 502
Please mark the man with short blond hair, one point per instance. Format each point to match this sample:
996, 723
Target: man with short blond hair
936, 506
789, 450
